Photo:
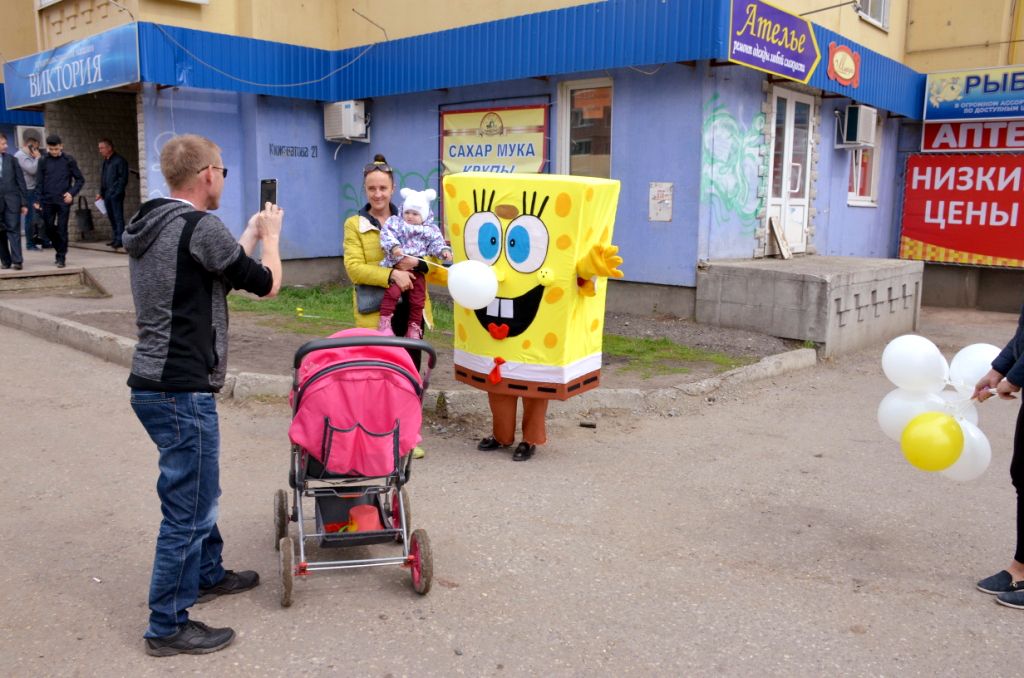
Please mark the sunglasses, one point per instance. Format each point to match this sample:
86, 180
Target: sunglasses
377, 167
223, 170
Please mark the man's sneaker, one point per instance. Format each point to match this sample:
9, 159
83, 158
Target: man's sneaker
233, 582
1001, 582
192, 637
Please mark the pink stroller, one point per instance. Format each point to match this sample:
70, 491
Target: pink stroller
356, 414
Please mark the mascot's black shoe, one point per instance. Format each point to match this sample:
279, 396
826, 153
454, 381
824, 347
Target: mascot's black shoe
489, 443
524, 451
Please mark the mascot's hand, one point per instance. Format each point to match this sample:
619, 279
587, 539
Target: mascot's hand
588, 288
601, 261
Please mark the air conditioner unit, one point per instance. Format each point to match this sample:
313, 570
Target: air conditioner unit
855, 126
345, 120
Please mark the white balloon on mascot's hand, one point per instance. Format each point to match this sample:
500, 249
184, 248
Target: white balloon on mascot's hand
915, 364
975, 458
970, 364
472, 284
899, 407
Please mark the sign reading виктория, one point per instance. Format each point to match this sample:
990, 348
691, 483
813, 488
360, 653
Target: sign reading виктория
109, 59
772, 40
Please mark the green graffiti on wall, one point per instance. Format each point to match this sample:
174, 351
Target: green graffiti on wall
354, 197
730, 159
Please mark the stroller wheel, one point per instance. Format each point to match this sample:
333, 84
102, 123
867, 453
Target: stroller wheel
406, 518
287, 566
421, 561
280, 517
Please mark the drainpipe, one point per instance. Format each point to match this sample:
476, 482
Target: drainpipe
1015, 18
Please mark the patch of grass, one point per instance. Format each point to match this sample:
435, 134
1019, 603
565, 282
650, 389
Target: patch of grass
328, 308
809, 344
325, 310
653, 357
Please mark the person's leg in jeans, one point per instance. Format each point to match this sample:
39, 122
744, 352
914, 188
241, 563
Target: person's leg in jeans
185, 429
115, 210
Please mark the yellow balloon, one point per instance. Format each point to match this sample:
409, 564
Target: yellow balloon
932, 441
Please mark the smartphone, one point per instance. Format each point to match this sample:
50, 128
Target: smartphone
268, 192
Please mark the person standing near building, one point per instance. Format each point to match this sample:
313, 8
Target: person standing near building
28, 159
58, 181
113, 181
13, 206
183, 262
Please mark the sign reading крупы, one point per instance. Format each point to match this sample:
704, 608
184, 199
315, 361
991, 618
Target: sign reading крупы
772, 40
495, 140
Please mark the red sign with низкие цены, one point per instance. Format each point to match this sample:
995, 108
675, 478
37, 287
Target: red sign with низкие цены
964, 208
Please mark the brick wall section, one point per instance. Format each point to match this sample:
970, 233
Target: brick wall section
81, 122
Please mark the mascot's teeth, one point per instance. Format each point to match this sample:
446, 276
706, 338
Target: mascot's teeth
501, 308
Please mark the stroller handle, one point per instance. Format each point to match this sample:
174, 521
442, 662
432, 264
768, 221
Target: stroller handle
346, 342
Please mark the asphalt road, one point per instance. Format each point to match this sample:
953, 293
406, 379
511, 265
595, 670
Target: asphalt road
772, 531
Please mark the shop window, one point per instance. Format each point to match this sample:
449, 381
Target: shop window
585, 128
862, 186
875, 11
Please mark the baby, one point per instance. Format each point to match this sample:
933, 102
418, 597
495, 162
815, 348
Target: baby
413, 234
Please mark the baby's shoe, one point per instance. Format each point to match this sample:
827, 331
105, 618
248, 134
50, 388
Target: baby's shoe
414, 331
384, 325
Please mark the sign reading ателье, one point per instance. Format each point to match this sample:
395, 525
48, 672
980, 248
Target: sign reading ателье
772, 40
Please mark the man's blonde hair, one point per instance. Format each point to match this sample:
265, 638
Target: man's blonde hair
184, 156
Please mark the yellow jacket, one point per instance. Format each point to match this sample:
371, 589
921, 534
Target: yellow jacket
363, 255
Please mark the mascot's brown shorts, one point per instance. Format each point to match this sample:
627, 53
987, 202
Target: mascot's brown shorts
503, 418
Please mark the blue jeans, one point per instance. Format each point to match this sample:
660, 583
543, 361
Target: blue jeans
185, 429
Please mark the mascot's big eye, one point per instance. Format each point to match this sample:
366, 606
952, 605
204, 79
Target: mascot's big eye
483, 237
526, 243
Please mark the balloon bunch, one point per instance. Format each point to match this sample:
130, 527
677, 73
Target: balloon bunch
937, 429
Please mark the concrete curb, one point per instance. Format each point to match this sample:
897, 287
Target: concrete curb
117, 349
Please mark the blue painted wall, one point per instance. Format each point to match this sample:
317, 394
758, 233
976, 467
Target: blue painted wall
260, 137
732, 141
842, 229
695, 126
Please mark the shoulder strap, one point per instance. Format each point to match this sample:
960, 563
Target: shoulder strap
192, 220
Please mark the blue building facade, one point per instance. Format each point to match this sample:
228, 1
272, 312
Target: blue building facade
681, 116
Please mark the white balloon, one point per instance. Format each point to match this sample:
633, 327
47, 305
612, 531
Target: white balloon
970, 364
472, 284
915, 364
974, 459
960, 406
899, 407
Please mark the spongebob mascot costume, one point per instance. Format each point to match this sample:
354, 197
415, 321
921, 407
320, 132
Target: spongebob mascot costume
548, 240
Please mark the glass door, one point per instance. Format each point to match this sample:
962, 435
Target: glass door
789, 199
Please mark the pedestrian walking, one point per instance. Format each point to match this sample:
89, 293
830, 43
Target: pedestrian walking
183, 262
58, 181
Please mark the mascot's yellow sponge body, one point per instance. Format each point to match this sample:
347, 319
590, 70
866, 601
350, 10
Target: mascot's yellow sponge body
548, 239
